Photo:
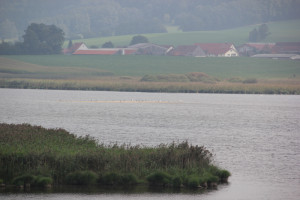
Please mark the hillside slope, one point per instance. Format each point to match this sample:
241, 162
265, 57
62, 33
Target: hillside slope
282, 31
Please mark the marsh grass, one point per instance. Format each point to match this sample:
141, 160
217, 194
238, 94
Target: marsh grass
81, 178
276, 86
28, 180
35, 155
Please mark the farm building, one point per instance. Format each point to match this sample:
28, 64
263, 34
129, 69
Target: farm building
218, 49
286, 48
250, 49
151, 49
277, 56
75, 47
187, 50
105, 51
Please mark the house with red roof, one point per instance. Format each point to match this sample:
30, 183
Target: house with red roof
75, 47
218, 49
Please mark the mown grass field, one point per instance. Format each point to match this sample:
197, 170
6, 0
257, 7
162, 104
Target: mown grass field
281, 31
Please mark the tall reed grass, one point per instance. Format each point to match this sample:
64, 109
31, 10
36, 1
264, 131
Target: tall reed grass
134, 85
68, 159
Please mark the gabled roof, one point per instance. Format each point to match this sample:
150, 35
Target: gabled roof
96, 52
260, 46
215, 48
105, 51
73, 48
147, 45
187, 50
286, 47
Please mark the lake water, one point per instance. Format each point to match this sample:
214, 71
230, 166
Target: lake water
255, 137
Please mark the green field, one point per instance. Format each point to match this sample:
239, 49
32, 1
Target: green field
281, 31
137, 66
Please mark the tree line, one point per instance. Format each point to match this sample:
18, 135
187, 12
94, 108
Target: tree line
95, 18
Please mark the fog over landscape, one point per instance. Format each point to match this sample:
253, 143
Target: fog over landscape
140, 99
95, 18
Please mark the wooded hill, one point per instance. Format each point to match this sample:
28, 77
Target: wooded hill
95, 18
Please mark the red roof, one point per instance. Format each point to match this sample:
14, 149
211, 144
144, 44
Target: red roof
215, 48
96, 52
105, 51
261, 46
286, 47
129, 51
73, 48
186, 50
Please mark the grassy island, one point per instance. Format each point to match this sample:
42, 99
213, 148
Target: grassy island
35, 156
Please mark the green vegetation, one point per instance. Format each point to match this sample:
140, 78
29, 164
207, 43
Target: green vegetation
151, 74
138, 66
81, 178
191, 77
35, 156
281, 31
28, 180
39, 39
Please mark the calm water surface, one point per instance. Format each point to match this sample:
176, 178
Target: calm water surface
256, 137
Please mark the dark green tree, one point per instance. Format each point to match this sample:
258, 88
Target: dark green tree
108, 45
43, 39
263, 31
70, 44
138, 39
253, 35
259, 34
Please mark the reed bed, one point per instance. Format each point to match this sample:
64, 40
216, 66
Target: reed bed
35, 154
287, 86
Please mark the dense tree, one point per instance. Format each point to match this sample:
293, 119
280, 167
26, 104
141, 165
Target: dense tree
38, 39
108, 45
253, 35
43, 39
138, 39
263, 31
260, 34
70, 44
